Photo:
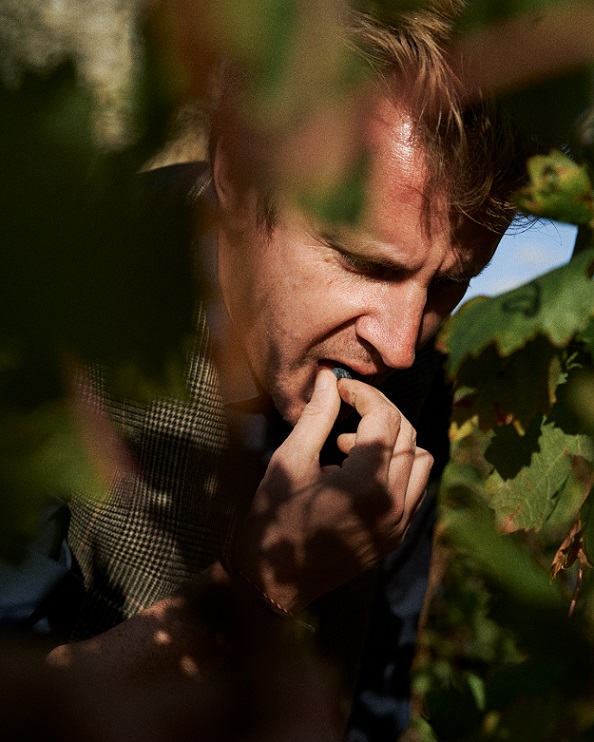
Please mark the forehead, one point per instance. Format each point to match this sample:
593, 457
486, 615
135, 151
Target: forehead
398, 174
390, 136
399, 203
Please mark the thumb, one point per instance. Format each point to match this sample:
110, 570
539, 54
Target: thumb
316, 421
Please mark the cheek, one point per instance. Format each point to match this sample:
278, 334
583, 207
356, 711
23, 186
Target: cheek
317, 300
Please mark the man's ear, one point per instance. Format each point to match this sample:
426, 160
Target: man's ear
232, 200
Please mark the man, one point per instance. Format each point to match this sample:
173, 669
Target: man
290, 300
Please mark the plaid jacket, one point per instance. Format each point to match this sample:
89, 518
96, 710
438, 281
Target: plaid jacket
166, 519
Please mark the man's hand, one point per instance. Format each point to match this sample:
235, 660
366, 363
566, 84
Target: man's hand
311, 528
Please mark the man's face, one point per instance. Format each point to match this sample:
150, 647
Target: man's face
305, 296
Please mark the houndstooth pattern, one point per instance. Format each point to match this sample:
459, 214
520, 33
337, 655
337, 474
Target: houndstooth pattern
158, 525
165, 518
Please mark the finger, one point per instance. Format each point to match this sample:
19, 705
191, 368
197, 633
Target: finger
319, 415
416, 506
419, 468
422, 466
379, 417
377, 431
404, 455
406, 442
345, 442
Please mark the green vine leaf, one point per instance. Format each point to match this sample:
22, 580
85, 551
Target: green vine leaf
558, 305
587, 338
481, 13
502, 390
558, 189
530, 471
502, 558
580, 398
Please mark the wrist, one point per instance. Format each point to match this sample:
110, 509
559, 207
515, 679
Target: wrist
259, 599
238, 576
270, 567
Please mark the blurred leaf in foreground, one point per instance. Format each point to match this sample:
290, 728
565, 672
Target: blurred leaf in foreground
82, 277
301, 103
84, 265
41, 455
559, 189
480, 13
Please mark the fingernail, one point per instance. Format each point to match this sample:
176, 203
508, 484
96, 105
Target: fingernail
322, 380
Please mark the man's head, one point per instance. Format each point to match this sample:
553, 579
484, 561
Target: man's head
305, 294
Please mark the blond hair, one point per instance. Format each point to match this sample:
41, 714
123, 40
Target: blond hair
473, 156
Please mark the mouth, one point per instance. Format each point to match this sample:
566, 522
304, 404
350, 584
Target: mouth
371, 378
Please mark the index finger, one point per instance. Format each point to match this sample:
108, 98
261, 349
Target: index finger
378, 429
380, 418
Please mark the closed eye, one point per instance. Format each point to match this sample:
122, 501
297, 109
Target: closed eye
449, 282
375, 270
460, 280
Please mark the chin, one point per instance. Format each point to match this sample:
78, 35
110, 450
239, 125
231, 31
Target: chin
289, 409
292, 412
290, 399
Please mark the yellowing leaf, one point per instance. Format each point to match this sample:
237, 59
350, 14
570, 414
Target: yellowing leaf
459, 431
559, 189
571, 549
530, 471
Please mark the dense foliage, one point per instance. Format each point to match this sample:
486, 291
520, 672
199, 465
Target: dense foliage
510, 642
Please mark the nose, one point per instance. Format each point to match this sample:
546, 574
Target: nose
392, 325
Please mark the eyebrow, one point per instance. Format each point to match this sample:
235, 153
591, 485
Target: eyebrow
359, 248
459, 276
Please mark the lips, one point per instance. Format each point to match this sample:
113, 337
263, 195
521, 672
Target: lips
365, 375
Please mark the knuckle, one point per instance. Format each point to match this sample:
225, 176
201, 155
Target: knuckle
421, 454
286, 459
393, 417
398, 514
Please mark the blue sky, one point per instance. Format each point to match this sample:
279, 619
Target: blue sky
524, 252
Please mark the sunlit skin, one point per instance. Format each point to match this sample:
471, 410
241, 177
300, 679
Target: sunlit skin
306, 296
